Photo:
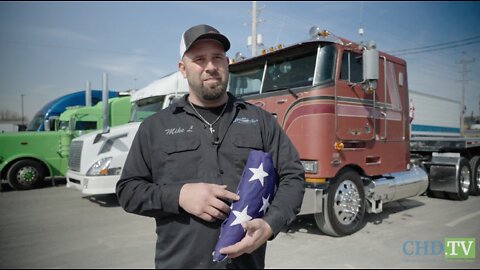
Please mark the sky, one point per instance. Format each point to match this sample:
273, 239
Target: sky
48, 49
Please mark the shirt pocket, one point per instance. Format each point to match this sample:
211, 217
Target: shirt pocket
243, 144
181, 158
252, 142
173, 147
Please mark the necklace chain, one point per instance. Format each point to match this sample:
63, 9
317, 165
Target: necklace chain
204, 120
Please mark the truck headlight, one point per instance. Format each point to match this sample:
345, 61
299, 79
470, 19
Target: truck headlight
310, 166
102, 168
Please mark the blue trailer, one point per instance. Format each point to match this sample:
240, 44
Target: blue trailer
57, 106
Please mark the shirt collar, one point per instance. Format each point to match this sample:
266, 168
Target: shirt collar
182, 104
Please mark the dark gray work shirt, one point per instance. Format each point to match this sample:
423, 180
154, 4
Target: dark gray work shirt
173, 147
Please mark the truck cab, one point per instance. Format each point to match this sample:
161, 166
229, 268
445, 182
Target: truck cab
86, 119
26, 158
52, 110
345, 108
96, 159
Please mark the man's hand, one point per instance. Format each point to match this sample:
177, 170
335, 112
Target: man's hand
258, 232
205, 200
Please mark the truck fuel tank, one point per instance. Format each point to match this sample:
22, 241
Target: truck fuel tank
395, 186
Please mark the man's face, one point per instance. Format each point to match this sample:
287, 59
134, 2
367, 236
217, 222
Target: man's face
206, 68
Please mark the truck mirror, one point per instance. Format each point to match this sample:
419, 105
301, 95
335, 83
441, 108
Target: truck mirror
73, 123
370, 64
50, 124
370, 68
47, 125
369, 86
57, 125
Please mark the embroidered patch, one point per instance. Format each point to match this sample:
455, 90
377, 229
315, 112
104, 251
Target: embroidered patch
245, 121
179, 130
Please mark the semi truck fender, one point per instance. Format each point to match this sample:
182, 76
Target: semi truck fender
444, 172
6, 164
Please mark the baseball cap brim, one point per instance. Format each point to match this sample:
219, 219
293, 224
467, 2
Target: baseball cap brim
201, 32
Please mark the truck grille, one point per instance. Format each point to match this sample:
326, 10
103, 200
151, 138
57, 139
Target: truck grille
75, 156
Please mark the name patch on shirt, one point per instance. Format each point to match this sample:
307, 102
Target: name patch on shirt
245, 121
178, 130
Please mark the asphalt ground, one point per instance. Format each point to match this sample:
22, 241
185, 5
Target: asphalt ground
57, 227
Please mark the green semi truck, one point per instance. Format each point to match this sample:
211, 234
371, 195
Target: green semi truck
27, 158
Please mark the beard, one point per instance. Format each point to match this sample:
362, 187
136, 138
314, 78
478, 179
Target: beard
210, 91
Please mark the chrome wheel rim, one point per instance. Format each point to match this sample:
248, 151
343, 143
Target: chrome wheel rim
347, 202
477, 180
465, 179
26, 175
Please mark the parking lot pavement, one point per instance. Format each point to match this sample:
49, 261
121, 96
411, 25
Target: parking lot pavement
409, 233
57, 227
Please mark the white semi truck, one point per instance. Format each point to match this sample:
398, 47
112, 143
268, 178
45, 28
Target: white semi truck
96, 160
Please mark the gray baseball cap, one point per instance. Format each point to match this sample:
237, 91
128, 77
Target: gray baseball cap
198, 32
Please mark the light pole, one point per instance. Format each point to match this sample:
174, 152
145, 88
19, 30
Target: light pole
22, 107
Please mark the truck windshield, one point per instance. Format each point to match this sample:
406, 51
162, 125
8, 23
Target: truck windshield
300, 66
146, 107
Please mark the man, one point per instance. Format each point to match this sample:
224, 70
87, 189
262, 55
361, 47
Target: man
185, 164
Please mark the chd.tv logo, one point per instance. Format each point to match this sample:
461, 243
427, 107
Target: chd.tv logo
451, 249
460, 248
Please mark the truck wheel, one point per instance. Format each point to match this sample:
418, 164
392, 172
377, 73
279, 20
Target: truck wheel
344, 206
25, 174
436, 194
463, 179
475, 184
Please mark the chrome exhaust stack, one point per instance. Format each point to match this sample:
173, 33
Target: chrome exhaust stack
394, 187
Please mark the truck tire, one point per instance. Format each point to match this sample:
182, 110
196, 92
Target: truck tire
436, 194
26, 174
463, 179
475, 184
344, 206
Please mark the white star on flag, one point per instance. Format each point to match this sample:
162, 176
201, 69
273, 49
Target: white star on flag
265, 205
241, 216
258, 174
252, 203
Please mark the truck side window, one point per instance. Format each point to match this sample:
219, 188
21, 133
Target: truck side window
85, 125
351, 62
246, 82
325, 68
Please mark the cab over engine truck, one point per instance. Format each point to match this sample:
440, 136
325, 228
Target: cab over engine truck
345, 106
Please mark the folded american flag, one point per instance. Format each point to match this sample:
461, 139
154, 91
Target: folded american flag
256, 190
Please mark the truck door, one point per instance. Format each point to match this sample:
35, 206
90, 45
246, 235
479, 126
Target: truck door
391, 100
354, 108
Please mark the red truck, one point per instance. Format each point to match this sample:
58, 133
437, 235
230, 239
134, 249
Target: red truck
345, 106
